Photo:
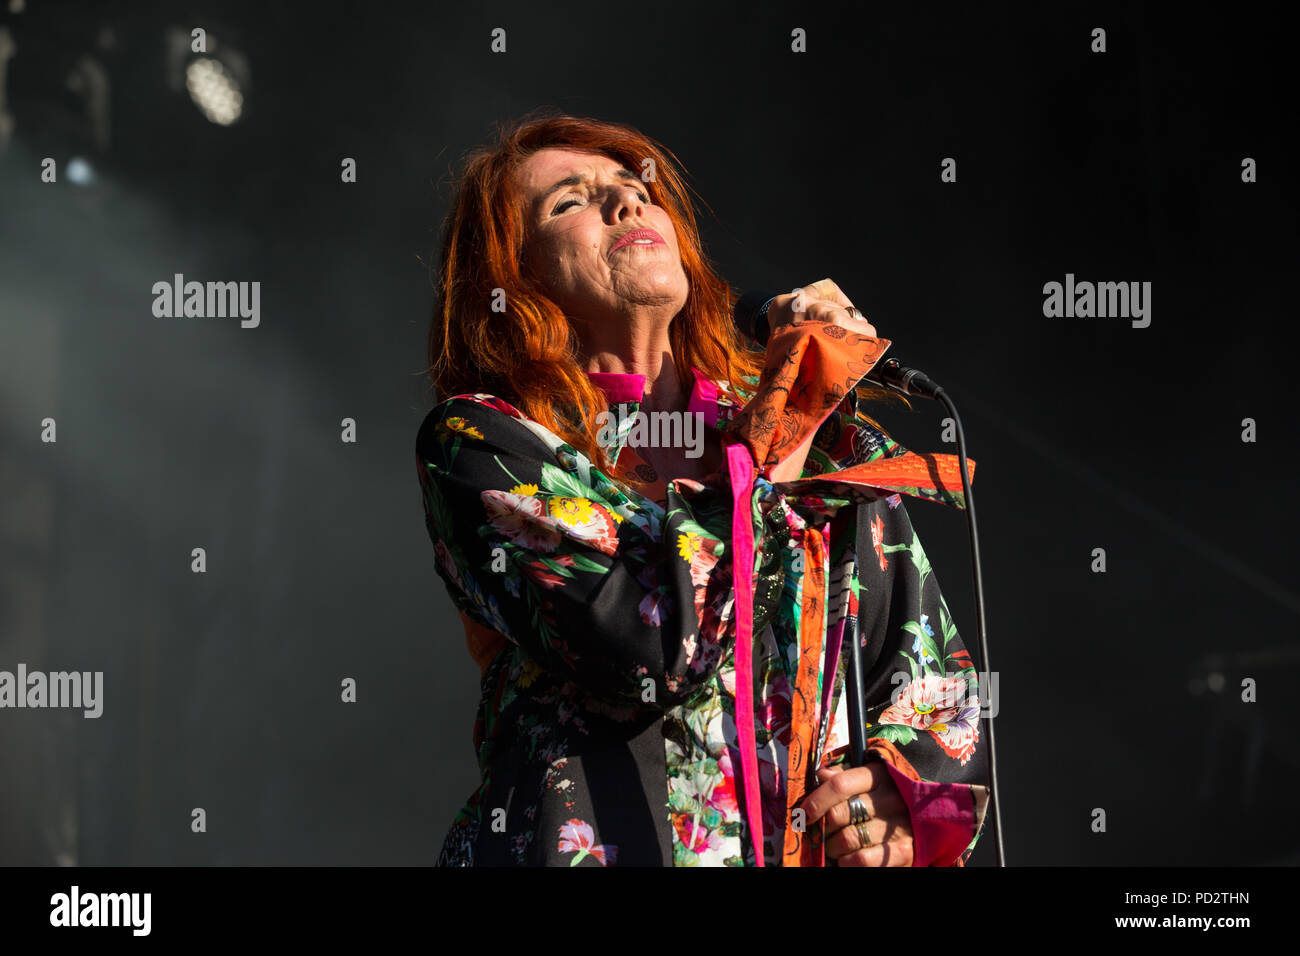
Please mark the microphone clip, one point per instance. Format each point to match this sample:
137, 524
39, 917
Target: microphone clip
891, 373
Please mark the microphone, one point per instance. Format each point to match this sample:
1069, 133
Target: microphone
750, 316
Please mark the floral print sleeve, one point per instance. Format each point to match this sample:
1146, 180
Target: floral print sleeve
619, 723
537, 544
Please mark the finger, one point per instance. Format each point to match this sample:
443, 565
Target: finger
839, 787
802, 309
880, 806
829, 313
854, 322
894, 853
847, 840
828, 290
820, 310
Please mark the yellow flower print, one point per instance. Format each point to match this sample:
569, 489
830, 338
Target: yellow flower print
571, 512
686, 545
529, 489
529, 674
458, 424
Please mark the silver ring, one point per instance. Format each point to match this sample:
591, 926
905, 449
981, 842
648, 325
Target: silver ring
863, 835
858, 812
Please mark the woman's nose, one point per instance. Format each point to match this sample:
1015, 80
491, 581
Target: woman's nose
627, 202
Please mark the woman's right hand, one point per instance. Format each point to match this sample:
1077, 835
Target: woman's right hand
825, 303
822, 302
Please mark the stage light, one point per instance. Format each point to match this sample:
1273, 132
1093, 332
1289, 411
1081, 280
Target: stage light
79, 171
214, 90
205, 63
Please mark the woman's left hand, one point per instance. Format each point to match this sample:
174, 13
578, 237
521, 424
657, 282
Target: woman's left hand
890, 826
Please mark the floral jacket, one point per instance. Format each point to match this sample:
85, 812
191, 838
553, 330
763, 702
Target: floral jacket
637, 708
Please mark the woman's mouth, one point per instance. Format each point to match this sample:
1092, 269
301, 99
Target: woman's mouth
639, 237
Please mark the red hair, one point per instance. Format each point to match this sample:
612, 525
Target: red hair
529, 353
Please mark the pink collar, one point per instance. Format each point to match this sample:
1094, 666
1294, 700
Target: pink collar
629, 387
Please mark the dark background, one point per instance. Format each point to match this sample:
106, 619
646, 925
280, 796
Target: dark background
222, 690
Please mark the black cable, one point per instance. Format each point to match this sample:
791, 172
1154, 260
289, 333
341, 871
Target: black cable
942, 396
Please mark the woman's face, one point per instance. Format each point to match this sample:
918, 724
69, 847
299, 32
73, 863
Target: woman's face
579, 243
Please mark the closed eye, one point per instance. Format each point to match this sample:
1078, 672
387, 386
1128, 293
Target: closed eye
569, 202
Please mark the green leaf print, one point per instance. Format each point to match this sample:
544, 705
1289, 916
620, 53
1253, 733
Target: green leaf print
919, 559
607, 490
945, 622
555, 566
897, 734
911, 663
680, 802
566, 485
584, 563
560, 482
691, 526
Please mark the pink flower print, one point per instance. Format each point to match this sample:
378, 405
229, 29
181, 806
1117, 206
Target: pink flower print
576, 836
728, 676
775, 711
926, 701
522, 519
957, 737
702, 564
695, 836
940, 705
723, 796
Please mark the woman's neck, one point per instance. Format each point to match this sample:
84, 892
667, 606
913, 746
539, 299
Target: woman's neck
639, 351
